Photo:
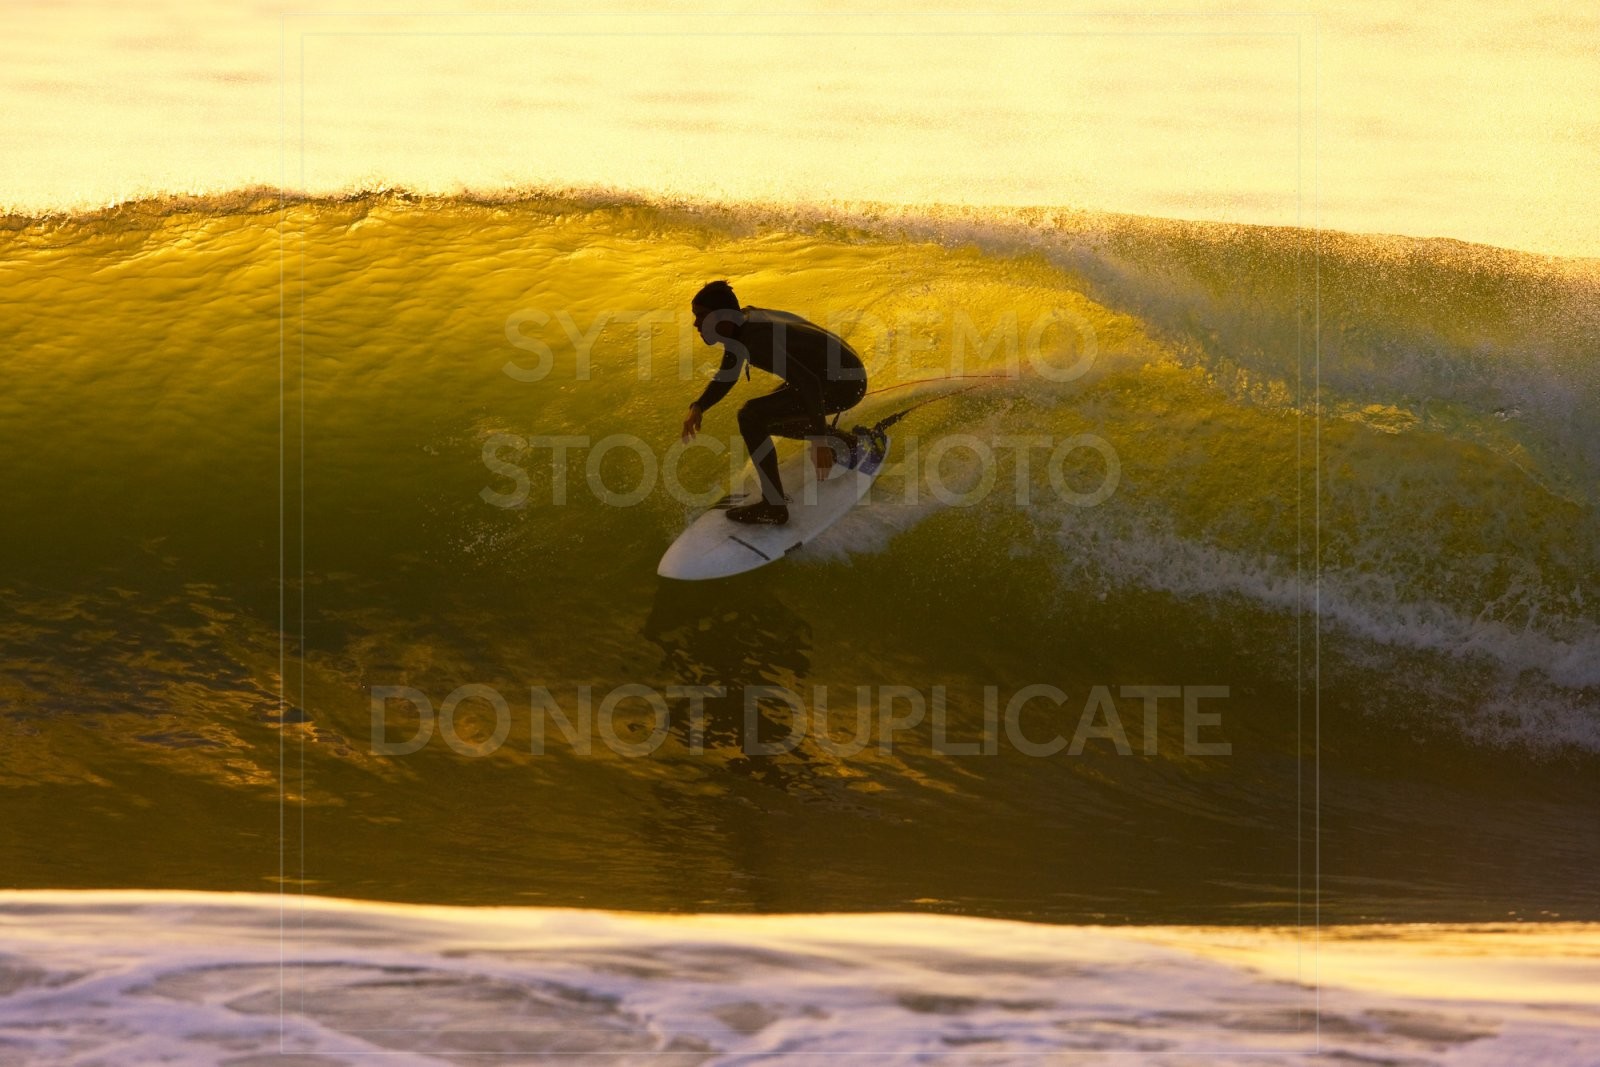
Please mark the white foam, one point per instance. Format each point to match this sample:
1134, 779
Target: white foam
204, 978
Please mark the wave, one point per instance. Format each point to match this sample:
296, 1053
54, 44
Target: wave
1442, 395
1315, 468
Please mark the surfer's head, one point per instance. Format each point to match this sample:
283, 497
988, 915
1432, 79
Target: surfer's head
717, 314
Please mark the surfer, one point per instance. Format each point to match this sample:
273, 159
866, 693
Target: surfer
821, 376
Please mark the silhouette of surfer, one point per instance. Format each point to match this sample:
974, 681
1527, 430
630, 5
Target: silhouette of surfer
821, 376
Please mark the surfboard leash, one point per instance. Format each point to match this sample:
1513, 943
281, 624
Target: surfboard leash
888, 421
946, 378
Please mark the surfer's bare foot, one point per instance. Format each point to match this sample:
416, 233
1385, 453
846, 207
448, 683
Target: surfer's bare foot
760, 513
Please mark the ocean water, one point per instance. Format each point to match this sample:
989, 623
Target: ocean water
1213, 676
239, 979
1472, 120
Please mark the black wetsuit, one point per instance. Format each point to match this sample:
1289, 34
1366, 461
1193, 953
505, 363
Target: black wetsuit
821, 375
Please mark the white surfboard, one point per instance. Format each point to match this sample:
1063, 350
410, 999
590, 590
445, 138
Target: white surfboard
714, 546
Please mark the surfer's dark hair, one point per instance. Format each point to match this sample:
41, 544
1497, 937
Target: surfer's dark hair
716, 296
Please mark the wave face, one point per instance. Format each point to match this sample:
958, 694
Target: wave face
1349, 480
204, 978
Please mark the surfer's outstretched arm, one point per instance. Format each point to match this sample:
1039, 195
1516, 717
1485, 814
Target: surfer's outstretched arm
722, 381
719, 386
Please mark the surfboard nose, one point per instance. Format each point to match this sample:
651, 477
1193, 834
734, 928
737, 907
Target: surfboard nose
675, 563
698, 559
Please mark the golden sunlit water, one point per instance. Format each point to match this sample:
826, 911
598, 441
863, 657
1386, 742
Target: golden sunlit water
1456, 535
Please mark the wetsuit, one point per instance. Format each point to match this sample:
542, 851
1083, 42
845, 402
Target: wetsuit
821, 375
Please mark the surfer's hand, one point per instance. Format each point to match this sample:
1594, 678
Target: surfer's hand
822, 456
691, 425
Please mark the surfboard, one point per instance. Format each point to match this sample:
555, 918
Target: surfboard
714, 546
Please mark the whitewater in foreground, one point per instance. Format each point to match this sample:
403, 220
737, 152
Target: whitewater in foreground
133, 976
